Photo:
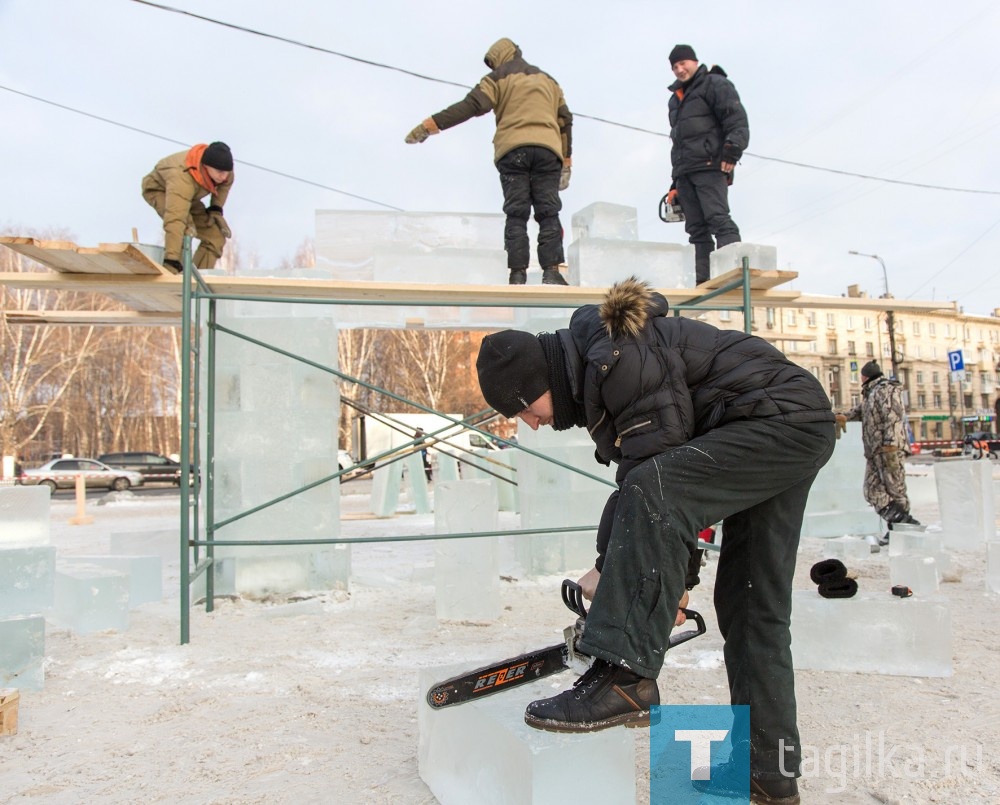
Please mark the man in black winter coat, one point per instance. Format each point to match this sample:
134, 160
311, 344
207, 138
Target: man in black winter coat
704, 425
709, 132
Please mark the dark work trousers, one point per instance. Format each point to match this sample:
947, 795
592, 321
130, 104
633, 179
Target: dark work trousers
754, 475
704, 197
529, 176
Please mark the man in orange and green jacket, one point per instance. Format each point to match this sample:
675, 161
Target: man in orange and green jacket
175, 188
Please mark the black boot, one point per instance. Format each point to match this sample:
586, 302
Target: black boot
702, 262
605, 696
552, 276
726, 780
518, 276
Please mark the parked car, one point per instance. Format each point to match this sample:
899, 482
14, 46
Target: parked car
982, 443
61, 473
152, 466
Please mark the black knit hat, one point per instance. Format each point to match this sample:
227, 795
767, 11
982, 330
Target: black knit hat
218, 156
513, 372
681, 53
871, 370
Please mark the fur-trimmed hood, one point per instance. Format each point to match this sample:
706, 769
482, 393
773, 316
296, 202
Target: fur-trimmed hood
628, 307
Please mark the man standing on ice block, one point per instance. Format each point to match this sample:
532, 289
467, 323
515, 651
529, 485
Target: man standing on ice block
705, 425
531, 150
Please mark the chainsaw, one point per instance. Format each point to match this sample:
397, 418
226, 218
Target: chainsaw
670, 211
516, 671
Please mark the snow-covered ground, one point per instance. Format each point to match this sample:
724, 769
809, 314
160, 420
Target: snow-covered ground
315, 700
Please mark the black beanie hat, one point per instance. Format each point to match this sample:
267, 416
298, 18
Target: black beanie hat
681, 53
512, 370
871, 370
218, 156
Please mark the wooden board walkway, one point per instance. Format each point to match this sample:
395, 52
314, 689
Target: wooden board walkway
153, 293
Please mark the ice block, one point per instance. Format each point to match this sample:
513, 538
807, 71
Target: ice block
482, 751
89, 598
27, 579
22, 652
145, 575
466, 571
965, 497
24, 516
873, 633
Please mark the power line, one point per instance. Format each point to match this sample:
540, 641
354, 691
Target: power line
187, 145
423, 77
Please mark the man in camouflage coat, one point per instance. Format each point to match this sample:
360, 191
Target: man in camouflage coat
883, 433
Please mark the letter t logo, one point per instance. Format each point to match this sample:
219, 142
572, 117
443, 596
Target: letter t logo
701, 749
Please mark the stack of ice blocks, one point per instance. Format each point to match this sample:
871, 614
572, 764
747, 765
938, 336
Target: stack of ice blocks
874, 633
276, 413
499, 467
916, 559
482, 751
27, 578
836, 504
555, 497
606, 248
406, 247
466, 570
968, 508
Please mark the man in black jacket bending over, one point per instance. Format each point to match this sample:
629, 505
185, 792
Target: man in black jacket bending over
704, 425
709, 132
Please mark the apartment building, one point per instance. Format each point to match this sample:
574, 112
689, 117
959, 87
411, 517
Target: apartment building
834, 343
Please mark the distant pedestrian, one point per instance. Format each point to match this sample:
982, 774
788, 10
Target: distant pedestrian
532, 152
883, 434
175, 188
709, 132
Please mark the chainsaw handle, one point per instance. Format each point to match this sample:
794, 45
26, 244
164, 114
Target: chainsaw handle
689, 634
572, 596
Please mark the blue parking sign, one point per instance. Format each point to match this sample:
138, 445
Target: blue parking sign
956, 360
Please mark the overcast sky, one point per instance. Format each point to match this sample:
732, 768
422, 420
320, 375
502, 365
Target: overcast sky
898, 90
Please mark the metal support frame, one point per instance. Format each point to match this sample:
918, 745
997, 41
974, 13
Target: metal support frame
196, 293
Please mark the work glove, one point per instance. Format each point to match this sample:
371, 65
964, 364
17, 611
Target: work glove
672, 196
564, 175
841, 425
174, 264
422, 132
215, 219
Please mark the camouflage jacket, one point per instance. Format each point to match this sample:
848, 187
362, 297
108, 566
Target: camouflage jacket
883, 418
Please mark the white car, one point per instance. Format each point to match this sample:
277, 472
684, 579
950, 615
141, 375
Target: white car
61, 473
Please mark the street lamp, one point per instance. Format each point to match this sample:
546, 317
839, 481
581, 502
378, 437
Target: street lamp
889, 315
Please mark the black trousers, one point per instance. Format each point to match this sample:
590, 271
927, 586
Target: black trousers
704, 197
754, 475
529, 176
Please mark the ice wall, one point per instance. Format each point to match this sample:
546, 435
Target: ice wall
837, 504
276, 431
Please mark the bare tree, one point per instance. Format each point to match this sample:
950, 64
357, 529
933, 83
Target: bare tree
39, 362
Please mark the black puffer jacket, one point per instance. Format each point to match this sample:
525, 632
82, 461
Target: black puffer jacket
649, 382
708, 124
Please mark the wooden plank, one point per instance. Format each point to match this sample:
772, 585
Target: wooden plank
166, 289
132, 259
109, 318
760, 279
9, 699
